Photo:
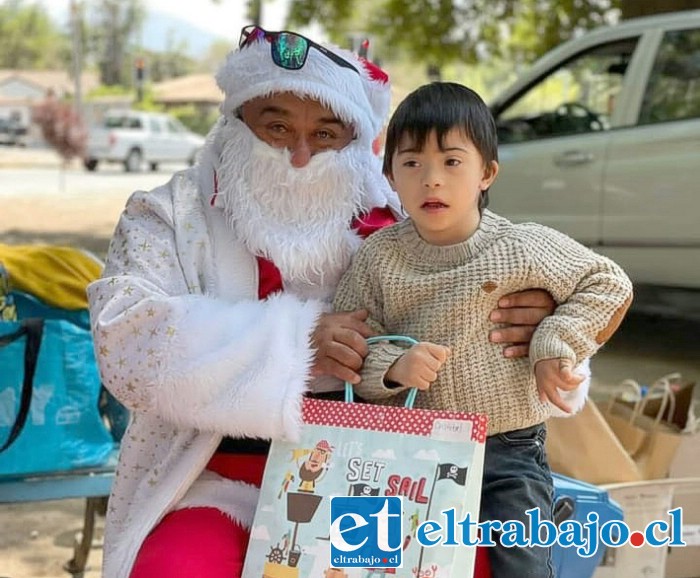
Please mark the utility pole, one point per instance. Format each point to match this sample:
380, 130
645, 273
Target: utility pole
77, 29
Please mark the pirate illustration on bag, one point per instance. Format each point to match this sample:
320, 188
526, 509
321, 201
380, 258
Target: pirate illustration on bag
315, 466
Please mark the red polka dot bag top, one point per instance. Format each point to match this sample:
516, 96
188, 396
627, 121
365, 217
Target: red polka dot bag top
367, 489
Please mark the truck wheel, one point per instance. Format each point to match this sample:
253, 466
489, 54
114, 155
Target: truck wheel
153, 166
132, 164
90, 164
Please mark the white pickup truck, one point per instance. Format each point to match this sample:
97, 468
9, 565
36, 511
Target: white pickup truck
601, 139
134, 138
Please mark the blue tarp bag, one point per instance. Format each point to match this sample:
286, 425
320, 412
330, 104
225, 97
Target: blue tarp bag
49, 394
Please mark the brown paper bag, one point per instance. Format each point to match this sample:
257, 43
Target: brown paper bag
585, 448
682, 414
622, 417
651, 442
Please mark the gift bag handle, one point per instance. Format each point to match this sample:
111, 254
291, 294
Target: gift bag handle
33, 328
411, 397
634, 386
668, 399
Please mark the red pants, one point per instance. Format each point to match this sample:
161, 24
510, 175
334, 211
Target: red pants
201, 542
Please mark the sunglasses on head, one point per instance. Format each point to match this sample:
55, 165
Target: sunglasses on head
289, 49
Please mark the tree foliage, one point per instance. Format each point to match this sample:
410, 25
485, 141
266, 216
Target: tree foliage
29, 39
329, 13
441, 31
113, 25
171, 62
61, 127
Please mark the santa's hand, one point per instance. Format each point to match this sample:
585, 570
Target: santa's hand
521, 313
553, 375
419, 366
340, 345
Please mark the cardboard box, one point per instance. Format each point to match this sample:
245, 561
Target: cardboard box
685, 562
641, 503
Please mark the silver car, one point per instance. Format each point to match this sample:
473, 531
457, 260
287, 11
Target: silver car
601, 139
133, 138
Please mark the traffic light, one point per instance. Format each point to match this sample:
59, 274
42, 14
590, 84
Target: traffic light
140, 70
140, 75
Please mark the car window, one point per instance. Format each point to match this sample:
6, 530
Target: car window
123, 122
673, 90
174, 126
577, 97
155, 125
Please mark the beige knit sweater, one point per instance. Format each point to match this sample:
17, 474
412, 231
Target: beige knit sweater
444, 294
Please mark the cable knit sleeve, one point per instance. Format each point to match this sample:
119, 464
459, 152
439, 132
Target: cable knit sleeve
360, 288
592, 291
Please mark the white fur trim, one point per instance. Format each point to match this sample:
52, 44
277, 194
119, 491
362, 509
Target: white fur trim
239, 369
576, 398
235, 499
250, 73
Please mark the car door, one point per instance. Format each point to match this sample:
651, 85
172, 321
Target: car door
554, 134
157, 139
652, 198
179, 146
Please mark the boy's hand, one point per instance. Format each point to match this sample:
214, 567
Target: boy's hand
553, 375
418, 367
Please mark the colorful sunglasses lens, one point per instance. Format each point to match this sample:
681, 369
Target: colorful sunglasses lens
289, 51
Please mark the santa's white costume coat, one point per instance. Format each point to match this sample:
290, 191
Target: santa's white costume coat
182, 338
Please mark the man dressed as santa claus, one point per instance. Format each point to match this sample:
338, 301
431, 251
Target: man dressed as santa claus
212, 318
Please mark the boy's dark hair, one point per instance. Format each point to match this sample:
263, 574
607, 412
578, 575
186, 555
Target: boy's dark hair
441, 107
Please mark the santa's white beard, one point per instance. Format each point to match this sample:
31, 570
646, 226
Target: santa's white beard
298, 218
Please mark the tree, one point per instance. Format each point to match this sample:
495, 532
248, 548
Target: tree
170, 63
436, 32
29, 39
61, 127
113, 24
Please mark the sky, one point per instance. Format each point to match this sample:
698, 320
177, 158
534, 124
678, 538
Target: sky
223, 19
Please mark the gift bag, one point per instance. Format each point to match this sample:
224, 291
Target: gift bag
680, 411
650, 441
623, 420
433, 460
585, 448
49, 389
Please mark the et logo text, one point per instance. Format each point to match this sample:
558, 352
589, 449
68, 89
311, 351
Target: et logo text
365, 532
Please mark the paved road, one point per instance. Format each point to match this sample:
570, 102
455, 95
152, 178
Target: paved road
67, 207
75, 181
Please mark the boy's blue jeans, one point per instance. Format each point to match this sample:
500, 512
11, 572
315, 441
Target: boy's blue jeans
516, 478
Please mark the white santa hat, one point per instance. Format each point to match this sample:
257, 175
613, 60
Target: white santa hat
361, 100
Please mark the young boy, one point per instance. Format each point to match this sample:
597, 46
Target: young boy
436, 277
